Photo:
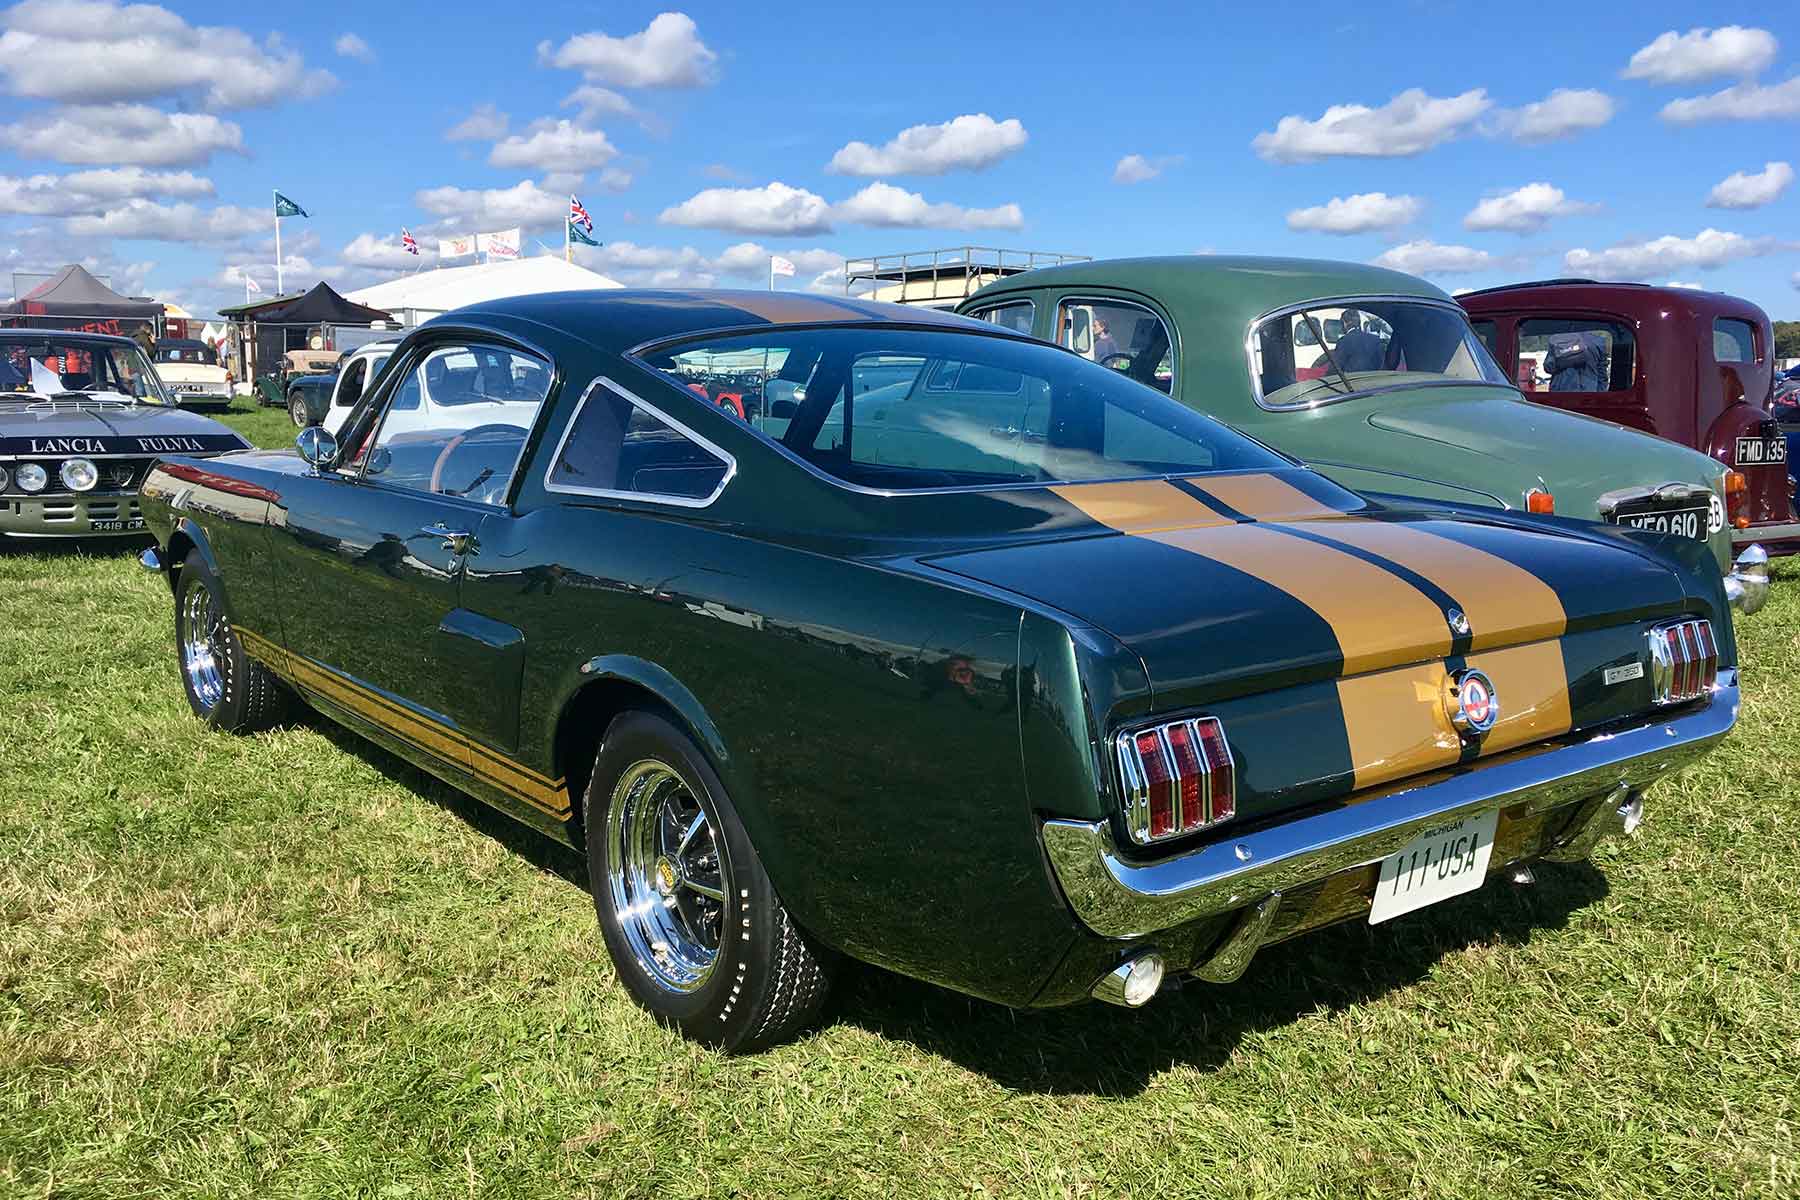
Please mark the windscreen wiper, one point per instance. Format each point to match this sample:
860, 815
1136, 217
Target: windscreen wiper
1330, 358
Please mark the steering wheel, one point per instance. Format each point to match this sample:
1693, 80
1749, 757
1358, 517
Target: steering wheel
1118, 362
450, 447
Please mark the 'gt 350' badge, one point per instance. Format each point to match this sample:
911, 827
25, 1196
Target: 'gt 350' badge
1471, 702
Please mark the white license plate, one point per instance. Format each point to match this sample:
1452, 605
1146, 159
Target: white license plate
116, 526
1761, 451
1438, 864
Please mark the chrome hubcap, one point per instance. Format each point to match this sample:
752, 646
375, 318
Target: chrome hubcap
668, 876
204, 658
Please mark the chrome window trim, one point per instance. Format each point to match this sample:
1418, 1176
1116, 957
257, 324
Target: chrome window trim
1256, 322
1167, 324
636, 401
417, 356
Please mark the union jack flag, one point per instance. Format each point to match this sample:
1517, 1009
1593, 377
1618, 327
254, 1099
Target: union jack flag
408, 242
579, 215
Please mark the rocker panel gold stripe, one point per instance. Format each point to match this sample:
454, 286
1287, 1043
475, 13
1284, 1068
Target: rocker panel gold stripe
511, 777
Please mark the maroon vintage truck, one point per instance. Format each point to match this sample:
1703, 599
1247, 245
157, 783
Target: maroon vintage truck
1695, 367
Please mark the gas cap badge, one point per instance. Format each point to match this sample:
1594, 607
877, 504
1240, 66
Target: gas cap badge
1459, 624
1471, 702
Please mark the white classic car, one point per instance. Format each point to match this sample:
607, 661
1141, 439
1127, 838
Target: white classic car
190, 370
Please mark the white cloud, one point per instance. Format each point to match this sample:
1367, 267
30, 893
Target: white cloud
752, 260
1523, 210
1703, 54
1426, 257
1739, 102
666, 53
1360, 213
485, 124
1696, 287
1707, 250
93, 191
349, 45
123, 133
1135, 168
382, 253
1743, 189
1564, 112
885, 206
774, 209
615, 179
684, 266
524, 203
592, 102
970, 142
554, 146
138, 218
95, 51
1411, 123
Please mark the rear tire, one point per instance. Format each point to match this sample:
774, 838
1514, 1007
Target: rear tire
225, 687
689, 915
297, 410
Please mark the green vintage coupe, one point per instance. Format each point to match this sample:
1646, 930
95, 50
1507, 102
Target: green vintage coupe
834, 629
1374, 378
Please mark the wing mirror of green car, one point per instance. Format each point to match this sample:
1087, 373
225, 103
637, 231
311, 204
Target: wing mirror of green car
316, 446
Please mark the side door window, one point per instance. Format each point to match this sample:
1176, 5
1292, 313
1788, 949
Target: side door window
1579, 355
350, 383
1016, 315
619, 445
458, 421
1123, 336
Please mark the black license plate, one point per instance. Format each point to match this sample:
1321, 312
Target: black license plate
1683, 522
131, 526
1761, 451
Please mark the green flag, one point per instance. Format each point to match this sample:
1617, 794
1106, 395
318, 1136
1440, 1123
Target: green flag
287, 208
579, 237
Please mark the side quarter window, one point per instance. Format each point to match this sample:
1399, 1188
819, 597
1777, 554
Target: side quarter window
619, 445
1126, 337
350, 384
1016, 315
1576, 354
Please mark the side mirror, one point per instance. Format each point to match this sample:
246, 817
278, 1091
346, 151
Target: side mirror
316, 446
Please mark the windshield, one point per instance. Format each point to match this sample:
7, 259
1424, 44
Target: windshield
55, 367
915, 409
1300, 359
186, 352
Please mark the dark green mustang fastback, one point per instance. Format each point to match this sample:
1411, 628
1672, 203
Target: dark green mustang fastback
830, 628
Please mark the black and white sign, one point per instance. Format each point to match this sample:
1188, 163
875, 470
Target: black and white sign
1761, 451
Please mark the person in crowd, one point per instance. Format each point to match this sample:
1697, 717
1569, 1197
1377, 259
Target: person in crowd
1104, 345
1358, 349
1576, 362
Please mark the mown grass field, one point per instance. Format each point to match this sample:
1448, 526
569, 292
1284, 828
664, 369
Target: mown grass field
291, 965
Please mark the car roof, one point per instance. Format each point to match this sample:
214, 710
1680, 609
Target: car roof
617, 320
63, 335
1235, 286
1608, 295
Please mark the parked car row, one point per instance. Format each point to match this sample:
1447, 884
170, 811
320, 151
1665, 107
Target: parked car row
988, 651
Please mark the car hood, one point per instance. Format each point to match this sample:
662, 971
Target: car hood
60, 427
1576, 458
1223, 585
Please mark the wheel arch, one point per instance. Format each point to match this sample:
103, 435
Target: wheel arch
186, 537
617, 683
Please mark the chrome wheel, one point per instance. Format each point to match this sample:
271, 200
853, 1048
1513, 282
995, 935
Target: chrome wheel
205, 654
297, 410
668, 875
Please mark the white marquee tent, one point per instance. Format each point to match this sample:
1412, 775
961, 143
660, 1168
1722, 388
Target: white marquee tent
419, 297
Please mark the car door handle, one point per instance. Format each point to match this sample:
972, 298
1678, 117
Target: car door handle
456, 541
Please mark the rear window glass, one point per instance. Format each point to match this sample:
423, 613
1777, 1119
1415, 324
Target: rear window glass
1733, 341
913, 409
1302, 359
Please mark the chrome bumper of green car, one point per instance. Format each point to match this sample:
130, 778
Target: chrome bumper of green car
1118, 897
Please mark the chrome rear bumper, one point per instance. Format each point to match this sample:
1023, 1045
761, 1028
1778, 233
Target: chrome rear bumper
1747, 586
1119, 898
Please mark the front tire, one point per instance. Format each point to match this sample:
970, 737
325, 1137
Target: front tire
689, 915
225, 687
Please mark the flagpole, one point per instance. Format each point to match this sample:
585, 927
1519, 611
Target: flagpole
568, 247
274, 192
771, 272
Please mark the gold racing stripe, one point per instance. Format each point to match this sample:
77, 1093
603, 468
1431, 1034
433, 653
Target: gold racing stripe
1379, 619
1140, 505
1397, 723
511, 777
1264, 497
1504, 602
1532, 685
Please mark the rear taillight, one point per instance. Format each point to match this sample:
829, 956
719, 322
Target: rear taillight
1737, 500
1176, 778
1684, 661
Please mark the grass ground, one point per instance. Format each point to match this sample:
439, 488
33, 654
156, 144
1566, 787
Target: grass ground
291, 965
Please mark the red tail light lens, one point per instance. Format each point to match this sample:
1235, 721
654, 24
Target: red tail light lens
1537, 500
1737, 500
1684, 661
1176, 778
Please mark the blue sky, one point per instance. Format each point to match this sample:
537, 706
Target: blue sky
145, 141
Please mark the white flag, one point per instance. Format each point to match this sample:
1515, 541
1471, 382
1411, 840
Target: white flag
460, 246
504, 244
250, 285
780, 266
44, 381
